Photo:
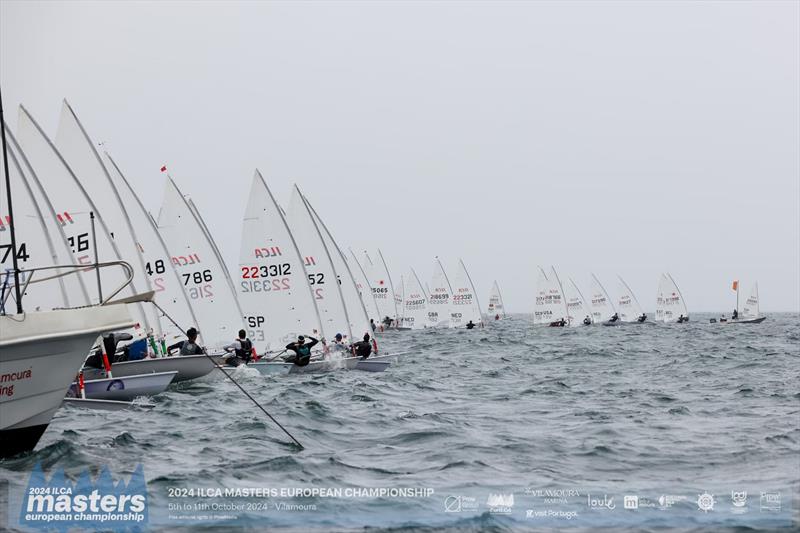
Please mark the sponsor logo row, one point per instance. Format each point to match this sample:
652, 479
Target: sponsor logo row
500, 503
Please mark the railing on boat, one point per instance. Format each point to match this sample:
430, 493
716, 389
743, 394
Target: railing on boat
64, 270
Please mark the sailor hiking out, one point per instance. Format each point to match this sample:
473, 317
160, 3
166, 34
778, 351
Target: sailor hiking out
241, 350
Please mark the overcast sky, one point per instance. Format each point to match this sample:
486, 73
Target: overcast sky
616, 138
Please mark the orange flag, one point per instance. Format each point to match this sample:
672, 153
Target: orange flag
736, 284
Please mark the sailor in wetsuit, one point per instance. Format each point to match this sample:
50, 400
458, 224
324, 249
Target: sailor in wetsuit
362, 348
242, 350
682, 319
735, 314
614, 317
301, 349
642, 318
587, 321
470, 324
189, 346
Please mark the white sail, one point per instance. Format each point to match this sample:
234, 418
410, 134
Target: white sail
322, 276
158, 264
363, 286
577, 306
415, 303
749, 307
557, 299
496, 306
465, 307
440, 295
73, 208
219, 317
670, 302
39, 240
399, 292
272, 281
660, 307
356, 313
381, 286
79, 152
627, 305
540, 311
601, 305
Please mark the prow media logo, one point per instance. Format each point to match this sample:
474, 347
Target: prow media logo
100, 504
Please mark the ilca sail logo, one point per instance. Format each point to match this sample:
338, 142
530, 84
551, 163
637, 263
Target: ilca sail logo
500, 503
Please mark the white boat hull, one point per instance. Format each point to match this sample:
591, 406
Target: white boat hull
40, 354
187, 367
103, 405
125, 388
276, 368
757, 320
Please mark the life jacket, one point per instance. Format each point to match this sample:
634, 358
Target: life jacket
246, 351
190, 348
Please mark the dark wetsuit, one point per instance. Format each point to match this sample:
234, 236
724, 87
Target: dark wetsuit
362, 349
470, 325
302, 353
187, 348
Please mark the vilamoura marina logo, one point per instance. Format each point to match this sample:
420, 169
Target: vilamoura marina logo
60, 504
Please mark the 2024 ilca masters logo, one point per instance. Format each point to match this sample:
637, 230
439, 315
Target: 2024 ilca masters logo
86, 504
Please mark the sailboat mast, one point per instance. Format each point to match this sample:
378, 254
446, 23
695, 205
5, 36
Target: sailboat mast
12, 224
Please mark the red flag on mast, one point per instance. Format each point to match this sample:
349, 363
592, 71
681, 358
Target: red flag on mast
736, 284
164, 168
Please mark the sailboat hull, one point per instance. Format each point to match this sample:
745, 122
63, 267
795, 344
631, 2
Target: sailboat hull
187, 367
126, 388
40, 355
757, 320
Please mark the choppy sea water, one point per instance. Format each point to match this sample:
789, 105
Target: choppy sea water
571, 423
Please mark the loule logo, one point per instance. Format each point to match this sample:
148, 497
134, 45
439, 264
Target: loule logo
61, 504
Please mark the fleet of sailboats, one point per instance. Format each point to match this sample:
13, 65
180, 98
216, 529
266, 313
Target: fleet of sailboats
79, 213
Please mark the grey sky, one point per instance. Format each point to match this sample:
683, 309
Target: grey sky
623, 138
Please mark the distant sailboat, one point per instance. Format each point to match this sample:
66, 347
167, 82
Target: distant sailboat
551, 308
415, 302
439, 297
577, 308
670, 305
364, 287
540, 315
496, 309
747, 309
601, 305
382, 290
465, 307
627, 305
